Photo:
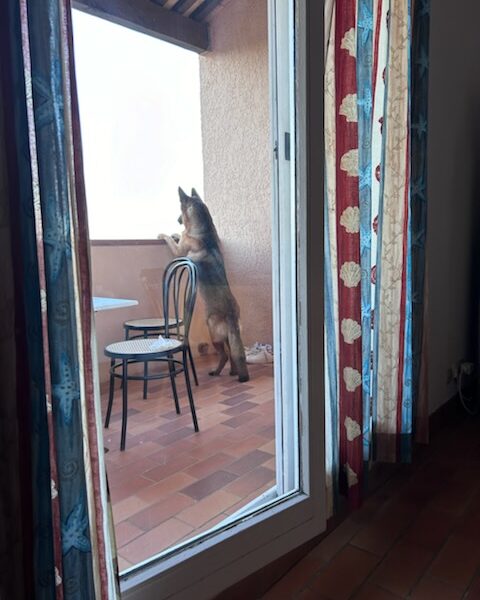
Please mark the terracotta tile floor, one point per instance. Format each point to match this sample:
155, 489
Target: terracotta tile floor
172, 483
417, 537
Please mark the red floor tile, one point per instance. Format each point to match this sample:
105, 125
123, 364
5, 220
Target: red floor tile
153, 515
401, 568
127, 507
126, 532
434, 589
457, 562
204, 467
148, 544
160, 490
251, 481
370, 591
346, 572
431, 528
164, 456
203, 511
380, 534
247, 463
176, 464
296, 580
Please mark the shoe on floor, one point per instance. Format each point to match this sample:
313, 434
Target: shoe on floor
259, 354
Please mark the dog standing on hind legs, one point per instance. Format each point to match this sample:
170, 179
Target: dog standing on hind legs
199, 241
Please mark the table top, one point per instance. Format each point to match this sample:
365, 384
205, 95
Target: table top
101, 303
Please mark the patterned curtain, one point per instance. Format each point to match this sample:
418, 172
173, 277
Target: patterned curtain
63, 514
376, 80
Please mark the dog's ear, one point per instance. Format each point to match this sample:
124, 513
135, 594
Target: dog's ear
195, 193
183, 195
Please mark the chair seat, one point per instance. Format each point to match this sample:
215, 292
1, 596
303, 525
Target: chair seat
141, 347
155, 323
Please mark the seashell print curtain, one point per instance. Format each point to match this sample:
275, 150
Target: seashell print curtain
58, 534
376, 85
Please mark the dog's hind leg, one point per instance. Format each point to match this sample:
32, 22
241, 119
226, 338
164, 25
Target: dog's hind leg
220, 348
233, 366
237, 353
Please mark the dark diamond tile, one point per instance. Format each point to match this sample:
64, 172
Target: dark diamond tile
238, 389
206, 486
249, 462
238, 409
240, 420
237, 399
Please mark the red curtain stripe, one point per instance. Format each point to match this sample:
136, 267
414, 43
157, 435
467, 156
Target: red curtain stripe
348, 236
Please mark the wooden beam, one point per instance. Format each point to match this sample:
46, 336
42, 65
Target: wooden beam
202, 12
149, 18
183, 5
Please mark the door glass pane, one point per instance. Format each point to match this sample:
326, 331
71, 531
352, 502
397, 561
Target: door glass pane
192, 153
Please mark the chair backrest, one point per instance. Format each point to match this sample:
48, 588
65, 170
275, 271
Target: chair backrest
179, 295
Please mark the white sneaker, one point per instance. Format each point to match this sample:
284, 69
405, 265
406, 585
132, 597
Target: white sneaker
259, 354
268, 354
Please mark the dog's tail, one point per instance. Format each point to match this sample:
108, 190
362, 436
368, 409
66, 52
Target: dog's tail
237, 351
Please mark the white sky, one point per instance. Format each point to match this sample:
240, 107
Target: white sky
140, 117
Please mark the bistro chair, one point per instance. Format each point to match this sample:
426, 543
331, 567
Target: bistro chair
179, 290
155, 326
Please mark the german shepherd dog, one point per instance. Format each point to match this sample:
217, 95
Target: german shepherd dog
199, 241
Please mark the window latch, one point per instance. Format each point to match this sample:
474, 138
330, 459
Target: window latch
287, 145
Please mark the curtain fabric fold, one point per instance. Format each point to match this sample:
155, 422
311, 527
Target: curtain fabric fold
71, 553
376, 81
348, 249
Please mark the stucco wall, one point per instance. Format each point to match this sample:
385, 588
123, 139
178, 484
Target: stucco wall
236, 139
454, 190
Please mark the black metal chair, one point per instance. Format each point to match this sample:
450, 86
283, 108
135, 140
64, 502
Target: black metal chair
179, 290
155, 326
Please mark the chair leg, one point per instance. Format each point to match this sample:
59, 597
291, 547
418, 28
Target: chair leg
145, 380
111, 389
189, 390
171, 370
124, 403
194, 371
145, 371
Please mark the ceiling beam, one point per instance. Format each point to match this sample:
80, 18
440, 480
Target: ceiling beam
149, 18
204, 9
183, 5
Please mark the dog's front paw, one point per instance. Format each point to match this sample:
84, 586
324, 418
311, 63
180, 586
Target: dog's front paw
213, 374
162, 236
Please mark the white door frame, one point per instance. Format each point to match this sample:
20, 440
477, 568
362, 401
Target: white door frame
221, 559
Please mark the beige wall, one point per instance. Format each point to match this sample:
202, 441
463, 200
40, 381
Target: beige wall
133, 271
236, 141
454, 190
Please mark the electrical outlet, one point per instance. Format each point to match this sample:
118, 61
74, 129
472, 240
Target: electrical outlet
467, 368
